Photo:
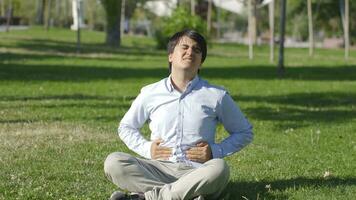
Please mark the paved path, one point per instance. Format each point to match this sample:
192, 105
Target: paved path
3, 28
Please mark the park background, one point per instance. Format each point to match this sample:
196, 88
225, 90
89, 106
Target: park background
63, 91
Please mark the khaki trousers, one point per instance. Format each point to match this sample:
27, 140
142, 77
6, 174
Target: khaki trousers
164, 180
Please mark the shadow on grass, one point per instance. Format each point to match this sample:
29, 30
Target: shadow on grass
82, 117
312, 73
286, 118
75, 73
58, 72
287, 111
261, 190
11, 57
55, 46
75, 107
310, 99
67, 97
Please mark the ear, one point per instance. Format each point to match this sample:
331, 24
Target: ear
170, 57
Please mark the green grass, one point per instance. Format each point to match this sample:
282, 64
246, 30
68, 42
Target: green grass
59, 112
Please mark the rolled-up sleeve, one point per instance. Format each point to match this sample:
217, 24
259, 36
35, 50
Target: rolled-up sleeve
235, 123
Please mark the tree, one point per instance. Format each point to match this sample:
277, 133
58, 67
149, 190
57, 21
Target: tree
2, 2
179, 20
9, 16
48, 14
192, 7
310, 28
122, 18
113, 18
251, 26
281, 38
208, 27
346, 29
271, 28
40, 8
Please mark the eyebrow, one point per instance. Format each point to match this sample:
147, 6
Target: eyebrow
194, 46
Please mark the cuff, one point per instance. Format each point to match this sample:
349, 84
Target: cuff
216, 150
147, 148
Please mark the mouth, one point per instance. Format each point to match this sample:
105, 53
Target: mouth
188, 58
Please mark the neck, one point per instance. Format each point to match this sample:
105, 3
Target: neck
180, 81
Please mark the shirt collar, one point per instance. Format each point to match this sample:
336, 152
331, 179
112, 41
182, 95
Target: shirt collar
190, 85
169, 84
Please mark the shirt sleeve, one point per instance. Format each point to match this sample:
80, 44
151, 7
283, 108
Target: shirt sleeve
130, 125
235, 123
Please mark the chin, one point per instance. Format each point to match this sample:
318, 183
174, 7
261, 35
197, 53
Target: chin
189, 68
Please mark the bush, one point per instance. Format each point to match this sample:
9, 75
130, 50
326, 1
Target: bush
179, 20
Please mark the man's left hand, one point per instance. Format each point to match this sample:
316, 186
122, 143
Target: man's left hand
200, 153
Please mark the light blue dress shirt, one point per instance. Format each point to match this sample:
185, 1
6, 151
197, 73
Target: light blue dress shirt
183, 119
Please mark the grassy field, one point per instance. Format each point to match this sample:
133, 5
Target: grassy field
59, 112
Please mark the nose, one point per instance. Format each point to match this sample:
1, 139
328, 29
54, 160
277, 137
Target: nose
190, 51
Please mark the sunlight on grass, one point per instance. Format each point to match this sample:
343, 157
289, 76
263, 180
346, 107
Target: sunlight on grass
59, 112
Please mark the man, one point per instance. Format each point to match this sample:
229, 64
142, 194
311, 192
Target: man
181, 159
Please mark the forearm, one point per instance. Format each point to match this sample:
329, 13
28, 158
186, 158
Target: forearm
134, 140
234, 143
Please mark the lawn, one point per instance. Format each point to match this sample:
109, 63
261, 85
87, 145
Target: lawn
59, 112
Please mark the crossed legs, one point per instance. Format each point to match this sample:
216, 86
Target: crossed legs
163, 180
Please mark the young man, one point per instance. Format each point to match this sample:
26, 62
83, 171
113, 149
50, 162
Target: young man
181, 159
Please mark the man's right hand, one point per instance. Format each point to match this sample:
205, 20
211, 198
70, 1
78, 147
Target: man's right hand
159, 152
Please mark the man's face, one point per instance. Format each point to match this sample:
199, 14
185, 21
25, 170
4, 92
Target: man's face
186, 55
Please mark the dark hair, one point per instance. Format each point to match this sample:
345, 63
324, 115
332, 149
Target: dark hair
174, 40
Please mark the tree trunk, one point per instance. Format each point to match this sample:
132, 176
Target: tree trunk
251, 26
3, 12
79, 14
310, 27
346, 30
65, 12
40, 12
218, 27
113, 15
281, 38
57, 13
48, 14
208, 27
192, 7
122, 23
271, 28
9, 16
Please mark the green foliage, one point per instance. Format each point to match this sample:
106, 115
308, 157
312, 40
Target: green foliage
23, 9
179, 20
60, 12
94, 15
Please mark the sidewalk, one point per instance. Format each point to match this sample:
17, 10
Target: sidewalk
3, 28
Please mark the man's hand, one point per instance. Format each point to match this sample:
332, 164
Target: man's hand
159, 152
200, 153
